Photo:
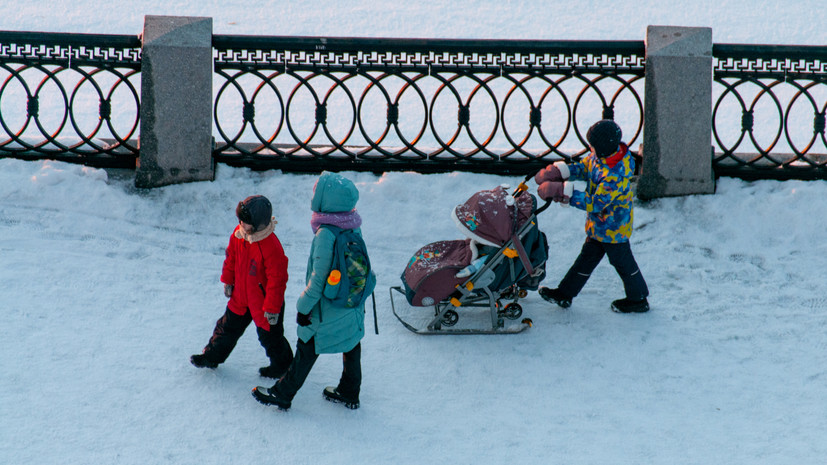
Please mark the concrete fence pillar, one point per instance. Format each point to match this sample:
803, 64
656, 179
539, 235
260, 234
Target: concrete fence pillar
677, 129
176, 101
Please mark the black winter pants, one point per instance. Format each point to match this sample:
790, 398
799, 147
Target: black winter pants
620, 256
349, 383
231, 326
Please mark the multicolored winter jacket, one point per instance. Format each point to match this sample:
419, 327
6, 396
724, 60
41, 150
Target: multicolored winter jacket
608, 195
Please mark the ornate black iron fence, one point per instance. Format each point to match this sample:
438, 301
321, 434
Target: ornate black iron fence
769, 112
72, 97
305, 103
428, 105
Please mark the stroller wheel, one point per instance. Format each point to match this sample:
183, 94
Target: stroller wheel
512, 311
450, 318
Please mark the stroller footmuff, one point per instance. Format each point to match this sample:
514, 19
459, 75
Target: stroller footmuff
503, 256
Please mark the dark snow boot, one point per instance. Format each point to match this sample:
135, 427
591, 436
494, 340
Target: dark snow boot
630, 306
271, 372
333, 395
554, 295
201, 361
270, 396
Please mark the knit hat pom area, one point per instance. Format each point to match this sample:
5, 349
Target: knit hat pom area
604, 136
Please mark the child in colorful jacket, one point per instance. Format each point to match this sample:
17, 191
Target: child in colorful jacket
324, 327
255, 278
607, 201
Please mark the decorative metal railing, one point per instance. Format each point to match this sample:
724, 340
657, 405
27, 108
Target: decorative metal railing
309, 103
778, 94
304, 103
72, 97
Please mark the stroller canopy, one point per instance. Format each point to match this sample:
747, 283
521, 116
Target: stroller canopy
491, 217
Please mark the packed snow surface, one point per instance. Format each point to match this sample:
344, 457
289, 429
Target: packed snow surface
107, 290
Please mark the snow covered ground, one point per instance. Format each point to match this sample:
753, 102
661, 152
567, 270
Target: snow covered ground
106, 292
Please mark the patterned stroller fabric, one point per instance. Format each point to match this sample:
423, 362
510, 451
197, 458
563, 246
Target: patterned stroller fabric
489, 217
432, 271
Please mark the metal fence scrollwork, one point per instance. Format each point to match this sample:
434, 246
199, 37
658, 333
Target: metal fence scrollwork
428, 105
778, 94
72, 97
501, 106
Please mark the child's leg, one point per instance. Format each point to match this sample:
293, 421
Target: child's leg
620, 256
303, 362
590, 256
228, 329
351, 381
276, 346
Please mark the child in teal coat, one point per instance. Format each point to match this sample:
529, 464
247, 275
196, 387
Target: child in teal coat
324, 328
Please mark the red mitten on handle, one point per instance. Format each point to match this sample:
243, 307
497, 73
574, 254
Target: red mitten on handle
558, 171
557, 191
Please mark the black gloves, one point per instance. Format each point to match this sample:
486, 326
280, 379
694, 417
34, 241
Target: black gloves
302, 319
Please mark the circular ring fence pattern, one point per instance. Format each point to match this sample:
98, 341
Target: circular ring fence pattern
73, 97
415, 104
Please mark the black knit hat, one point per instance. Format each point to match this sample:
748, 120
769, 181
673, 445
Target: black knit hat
255, 211
604, 136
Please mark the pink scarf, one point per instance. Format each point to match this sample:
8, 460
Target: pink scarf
344, 220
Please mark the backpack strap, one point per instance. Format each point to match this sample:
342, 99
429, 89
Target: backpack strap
337, 231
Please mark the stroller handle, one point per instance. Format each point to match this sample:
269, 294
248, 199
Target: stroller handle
523, 188
543, 208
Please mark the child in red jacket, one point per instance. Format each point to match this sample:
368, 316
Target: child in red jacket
255, 278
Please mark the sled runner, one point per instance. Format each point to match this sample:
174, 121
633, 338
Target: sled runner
502, 258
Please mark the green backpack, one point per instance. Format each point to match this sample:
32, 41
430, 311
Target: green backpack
351, 279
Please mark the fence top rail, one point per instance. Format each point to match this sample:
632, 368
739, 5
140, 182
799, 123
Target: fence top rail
70, 38
364, 44
791, 52
67, 49
428, 55
771, 61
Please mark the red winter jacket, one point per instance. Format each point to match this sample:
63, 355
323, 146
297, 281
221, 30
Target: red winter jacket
258, 273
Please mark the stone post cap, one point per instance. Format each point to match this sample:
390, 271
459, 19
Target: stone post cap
177, 31
679, 41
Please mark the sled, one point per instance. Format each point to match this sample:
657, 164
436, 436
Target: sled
446, 315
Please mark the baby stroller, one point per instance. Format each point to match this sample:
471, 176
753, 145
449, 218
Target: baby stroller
502, 258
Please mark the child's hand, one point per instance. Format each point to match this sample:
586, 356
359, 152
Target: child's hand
558, 171
556, 191
303, 319
228, 290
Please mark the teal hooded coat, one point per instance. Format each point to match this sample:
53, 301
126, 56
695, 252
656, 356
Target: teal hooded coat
336, 329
